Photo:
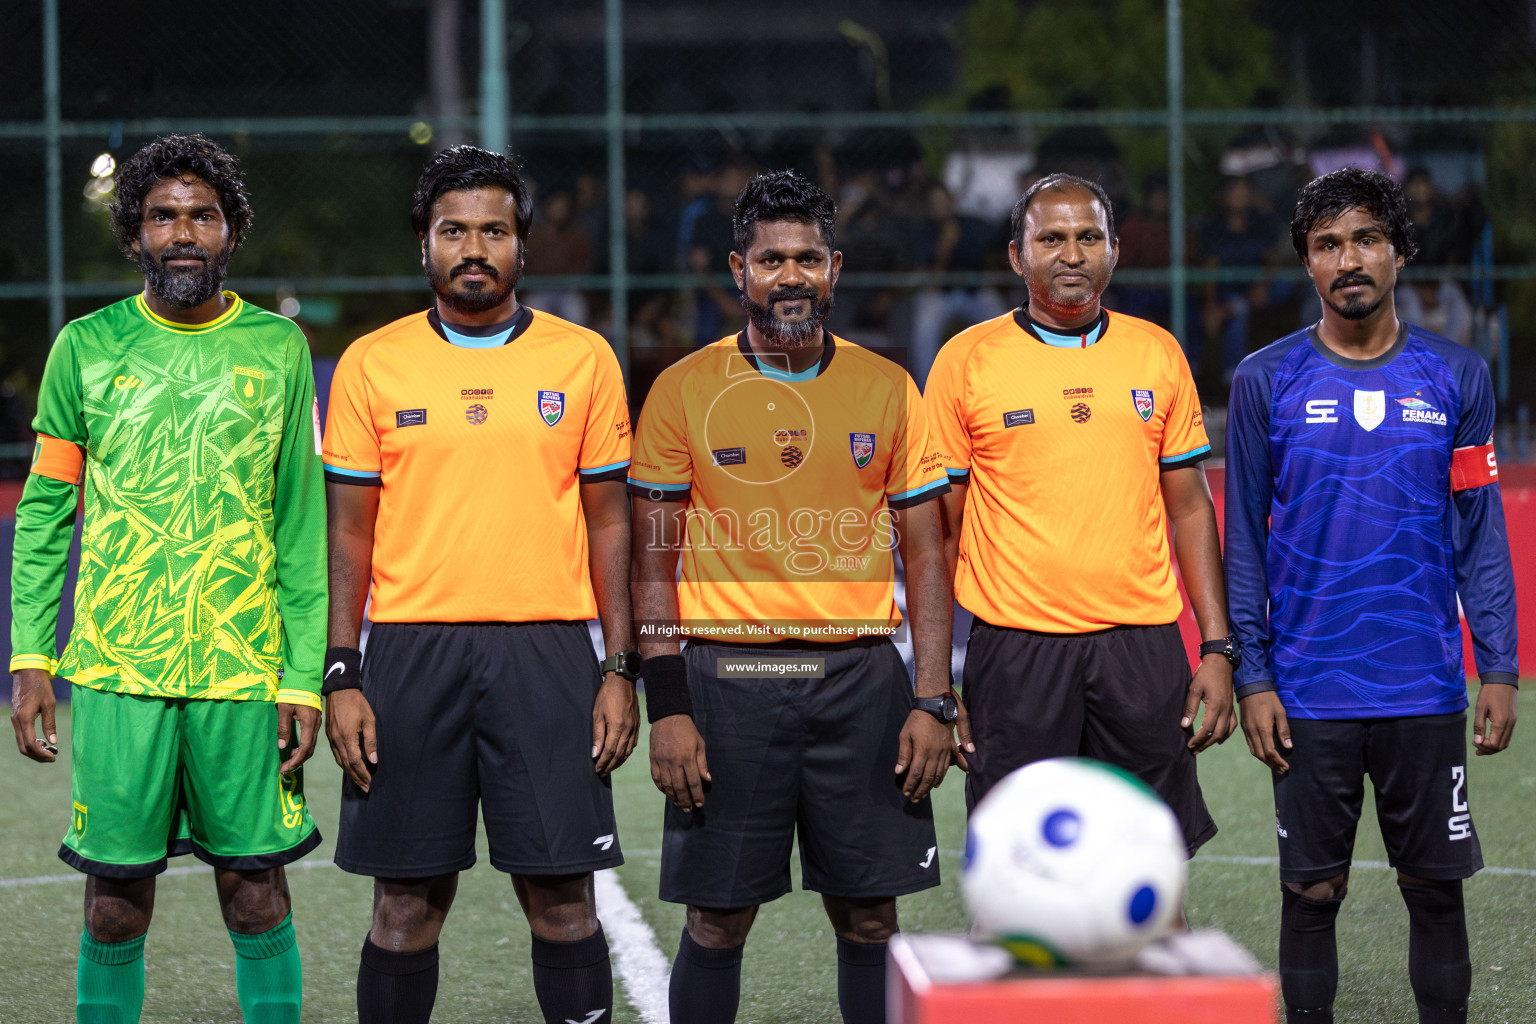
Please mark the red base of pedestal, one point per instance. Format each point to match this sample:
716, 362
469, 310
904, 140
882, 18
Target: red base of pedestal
916, 999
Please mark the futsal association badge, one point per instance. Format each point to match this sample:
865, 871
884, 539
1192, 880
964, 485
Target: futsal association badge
249, 385
1370, 408
1143, 402
863, 448
551, 406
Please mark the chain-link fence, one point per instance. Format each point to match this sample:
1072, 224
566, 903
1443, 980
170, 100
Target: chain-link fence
924, 118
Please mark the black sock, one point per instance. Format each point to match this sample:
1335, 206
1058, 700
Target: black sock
1309, 957
396, 988
574, 980
861, 981
706, 983
1439, 963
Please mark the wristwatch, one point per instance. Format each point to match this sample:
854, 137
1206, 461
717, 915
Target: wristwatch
946, 709
1226, 646
625, 663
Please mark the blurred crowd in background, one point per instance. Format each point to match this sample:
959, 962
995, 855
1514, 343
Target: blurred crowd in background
939, 239
948, 232
925, 119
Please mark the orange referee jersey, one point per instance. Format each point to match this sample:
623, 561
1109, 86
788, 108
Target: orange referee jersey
479, 453
1062, 448
788, 479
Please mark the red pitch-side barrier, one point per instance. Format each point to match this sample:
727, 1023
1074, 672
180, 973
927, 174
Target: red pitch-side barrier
1517, 481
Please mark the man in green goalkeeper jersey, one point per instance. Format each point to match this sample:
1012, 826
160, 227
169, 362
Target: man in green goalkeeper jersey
189, 416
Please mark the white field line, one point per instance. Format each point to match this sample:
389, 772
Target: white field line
1375, 865
641, 966
191, 869
1209, 858
1369, 865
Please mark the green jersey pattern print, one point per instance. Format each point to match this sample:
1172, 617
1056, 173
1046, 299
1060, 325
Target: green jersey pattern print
202, 569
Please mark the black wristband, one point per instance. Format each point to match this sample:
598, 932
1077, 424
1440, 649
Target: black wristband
666, 687
343, 670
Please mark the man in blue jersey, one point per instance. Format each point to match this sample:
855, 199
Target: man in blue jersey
1362, 499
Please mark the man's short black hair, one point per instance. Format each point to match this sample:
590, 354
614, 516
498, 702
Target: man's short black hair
1324, 200
1062, 183
178, 156
783, 195
465, 169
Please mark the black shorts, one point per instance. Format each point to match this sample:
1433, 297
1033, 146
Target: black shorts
806, 755
1418, 767
493, 717
1116, 695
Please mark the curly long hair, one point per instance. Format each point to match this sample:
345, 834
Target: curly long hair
178, 156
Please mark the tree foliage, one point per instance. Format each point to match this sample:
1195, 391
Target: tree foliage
1114, 52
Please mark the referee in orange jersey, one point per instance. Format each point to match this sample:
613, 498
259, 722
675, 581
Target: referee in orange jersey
1074, 440
475, 457
783, 465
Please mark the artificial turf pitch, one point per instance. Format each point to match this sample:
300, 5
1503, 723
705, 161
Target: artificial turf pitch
790, 971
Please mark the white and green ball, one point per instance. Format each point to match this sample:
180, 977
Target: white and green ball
1073, 862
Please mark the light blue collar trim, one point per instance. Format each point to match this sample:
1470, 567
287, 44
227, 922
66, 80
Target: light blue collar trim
809, 373
469, 341
1069, 340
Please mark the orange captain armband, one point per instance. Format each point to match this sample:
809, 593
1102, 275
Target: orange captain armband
1473, 467
58, 459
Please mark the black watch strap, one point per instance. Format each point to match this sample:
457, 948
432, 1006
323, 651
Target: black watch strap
1226, 646
343, 670
946, 709
625, 663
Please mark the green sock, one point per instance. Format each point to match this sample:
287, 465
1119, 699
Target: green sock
268, 979
109, 981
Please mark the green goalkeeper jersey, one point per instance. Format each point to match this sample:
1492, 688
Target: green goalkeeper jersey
202, 568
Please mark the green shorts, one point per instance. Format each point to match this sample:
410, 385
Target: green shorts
154, 778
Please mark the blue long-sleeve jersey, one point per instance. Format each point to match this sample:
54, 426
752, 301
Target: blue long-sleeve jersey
1346, 545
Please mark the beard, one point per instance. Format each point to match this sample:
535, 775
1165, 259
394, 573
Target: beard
788, 334
479, 296
1354, 307
1067, 303
181, 287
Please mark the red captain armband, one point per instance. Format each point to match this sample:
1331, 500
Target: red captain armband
1473, 467
57, 459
